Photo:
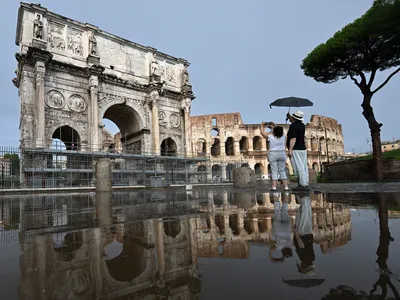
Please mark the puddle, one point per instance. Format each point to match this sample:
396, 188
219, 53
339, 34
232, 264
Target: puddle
202, 244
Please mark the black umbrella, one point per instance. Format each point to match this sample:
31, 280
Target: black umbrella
291, 102
304, 283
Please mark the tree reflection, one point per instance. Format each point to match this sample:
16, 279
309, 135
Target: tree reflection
384, 281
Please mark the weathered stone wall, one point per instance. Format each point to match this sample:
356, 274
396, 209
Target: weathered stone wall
249, 147
361, 170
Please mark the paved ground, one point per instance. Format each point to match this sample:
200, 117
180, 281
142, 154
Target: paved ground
321, 187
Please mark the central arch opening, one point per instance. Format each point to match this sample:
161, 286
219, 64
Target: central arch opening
122, 130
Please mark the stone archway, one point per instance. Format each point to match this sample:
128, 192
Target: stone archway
131, 137
244, 144
216, 147
257, 143
69, 136
258, 170
230, 146
169, 147
202, 173
216, 170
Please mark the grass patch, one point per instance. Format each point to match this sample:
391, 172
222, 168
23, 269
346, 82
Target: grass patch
387, 154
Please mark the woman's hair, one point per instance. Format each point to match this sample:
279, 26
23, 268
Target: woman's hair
278, 131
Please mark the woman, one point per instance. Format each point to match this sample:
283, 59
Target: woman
281, 229
277, 154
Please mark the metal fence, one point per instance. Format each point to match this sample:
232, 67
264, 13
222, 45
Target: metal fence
57, 168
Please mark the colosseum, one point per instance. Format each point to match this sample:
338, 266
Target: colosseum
230, 143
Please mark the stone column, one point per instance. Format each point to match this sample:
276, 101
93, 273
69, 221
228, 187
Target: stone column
94, 141
308, 143
237, 148
263, 144
97, 249
225, 201
223, 171
250, 140
159, 234
154, 96
186, 104
40, 70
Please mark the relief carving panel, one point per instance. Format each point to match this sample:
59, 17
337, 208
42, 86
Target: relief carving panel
162, 118
56, 37
174, 120
77, 103
75, 45
170, 74
55, 99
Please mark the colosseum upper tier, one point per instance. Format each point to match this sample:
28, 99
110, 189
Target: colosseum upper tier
230, 143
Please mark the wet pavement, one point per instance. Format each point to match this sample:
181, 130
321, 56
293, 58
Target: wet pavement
203, 244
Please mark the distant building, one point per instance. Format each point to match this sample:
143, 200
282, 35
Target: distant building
5, 166
392, 145
231, 143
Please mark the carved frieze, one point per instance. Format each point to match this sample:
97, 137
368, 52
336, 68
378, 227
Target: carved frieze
134, 148
77, 103
75, 44
174, 120
55, 37
55, 99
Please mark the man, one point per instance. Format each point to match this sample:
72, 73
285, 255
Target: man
297, 150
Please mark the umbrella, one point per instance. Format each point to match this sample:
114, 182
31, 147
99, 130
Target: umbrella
304, 283
291, 102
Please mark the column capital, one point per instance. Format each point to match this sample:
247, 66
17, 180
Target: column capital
93, 82
153, 98
186, 105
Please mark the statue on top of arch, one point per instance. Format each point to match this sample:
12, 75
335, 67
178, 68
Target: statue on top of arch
155, 73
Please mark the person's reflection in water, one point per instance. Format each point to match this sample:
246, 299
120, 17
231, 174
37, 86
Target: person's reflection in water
303, 235
281, 234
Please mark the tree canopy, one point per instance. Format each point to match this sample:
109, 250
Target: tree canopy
369, 44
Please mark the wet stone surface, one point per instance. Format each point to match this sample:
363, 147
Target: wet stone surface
203, 244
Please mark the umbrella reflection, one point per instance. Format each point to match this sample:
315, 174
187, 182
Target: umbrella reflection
304, 283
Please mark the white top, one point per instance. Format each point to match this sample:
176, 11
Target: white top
276, 144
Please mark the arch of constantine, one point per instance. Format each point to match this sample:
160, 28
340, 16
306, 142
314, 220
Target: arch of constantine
231, 143
72, 75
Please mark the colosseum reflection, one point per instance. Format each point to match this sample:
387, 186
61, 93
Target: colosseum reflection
146, 245
231, 143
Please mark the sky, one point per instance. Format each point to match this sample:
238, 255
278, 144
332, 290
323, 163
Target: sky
243, 55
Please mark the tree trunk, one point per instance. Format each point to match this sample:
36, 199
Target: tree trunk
375, 129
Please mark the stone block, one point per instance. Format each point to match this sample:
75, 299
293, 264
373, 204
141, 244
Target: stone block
103, 175
243, 178
312, 176
39, 44
93, 60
